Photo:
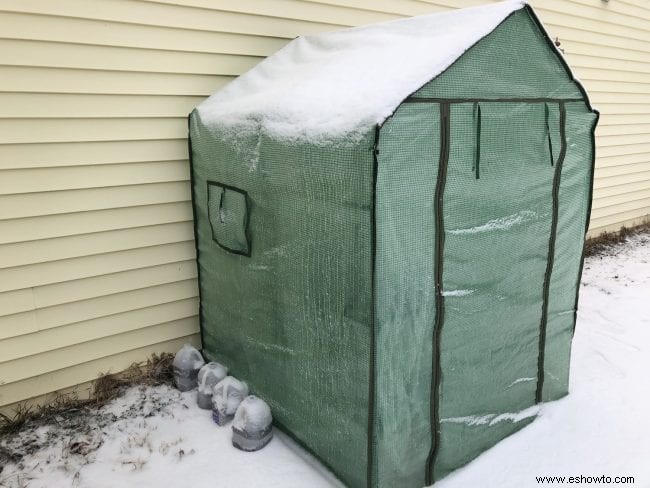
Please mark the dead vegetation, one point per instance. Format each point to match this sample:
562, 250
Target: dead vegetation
157, 370
606, 241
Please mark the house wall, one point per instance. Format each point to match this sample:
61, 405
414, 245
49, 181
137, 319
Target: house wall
96, 245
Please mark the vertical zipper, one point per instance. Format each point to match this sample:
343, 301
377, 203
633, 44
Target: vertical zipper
370, 448
551, 255
439, 298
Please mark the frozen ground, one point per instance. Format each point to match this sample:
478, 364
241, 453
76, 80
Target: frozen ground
157, 437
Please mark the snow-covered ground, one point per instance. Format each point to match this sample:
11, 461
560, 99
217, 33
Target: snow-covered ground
157, 437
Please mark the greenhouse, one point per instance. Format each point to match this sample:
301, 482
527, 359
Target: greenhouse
390, 224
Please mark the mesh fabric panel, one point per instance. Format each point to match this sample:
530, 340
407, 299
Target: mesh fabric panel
293, 320
572, 205
497, 230
409, 151
512, 61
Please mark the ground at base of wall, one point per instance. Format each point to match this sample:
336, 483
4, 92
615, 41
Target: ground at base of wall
156, 436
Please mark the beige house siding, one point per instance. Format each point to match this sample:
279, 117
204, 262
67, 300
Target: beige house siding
96, 244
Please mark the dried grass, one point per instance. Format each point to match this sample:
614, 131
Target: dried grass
607, 240
157, 370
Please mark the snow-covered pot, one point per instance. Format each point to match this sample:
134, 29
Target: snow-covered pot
187, 363
251, 427
226, 397
209, 375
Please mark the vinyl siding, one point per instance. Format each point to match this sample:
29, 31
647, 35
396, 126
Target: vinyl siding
96, 245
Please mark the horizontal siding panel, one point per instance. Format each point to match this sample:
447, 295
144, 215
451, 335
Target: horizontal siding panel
54, 203
103, 60
641, 205
623, 198
60, 379
594, 61
24, 334
607, 51
400, 7
612, 223
617, 170
629, 139
627, 8
47, 227
595, 75
623, 118
15, 301
64, 105
621, 159
16, 156
593, 17
160, 15
63, 80
65, 357
560, 17
623, 185
93, 32
622, 129
618, 150
600, 38
53, 130
77, 177
301, 10
18, 277
59, 248
12, 302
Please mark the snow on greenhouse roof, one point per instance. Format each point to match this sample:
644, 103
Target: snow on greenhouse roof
339, 84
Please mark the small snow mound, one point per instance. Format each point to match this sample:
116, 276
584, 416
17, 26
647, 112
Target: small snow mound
253, 415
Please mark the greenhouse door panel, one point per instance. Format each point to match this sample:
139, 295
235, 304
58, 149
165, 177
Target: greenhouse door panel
496, 209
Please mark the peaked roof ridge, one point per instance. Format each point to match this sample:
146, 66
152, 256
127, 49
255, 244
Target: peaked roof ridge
339, 84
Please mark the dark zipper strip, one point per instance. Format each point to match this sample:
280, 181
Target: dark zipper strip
372, 366
482, 100
440, 303
551, 255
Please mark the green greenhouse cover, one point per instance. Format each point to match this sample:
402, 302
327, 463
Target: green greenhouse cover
390, 225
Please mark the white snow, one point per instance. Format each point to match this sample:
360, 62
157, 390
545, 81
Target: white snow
520, 380
326, 86
457, 293
493, 418
502, 223
161, 438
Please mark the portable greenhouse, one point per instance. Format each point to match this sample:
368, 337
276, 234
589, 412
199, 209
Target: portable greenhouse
390, 223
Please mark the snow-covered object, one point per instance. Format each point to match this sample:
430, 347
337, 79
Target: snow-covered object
326, 86
226, 397
251, 428
209, 375
187, 363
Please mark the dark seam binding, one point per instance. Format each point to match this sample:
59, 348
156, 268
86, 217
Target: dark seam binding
372, 365
413, 99
548, 133
195, 223
477, 148
436, 372
224, 187
557, 176
591, 194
